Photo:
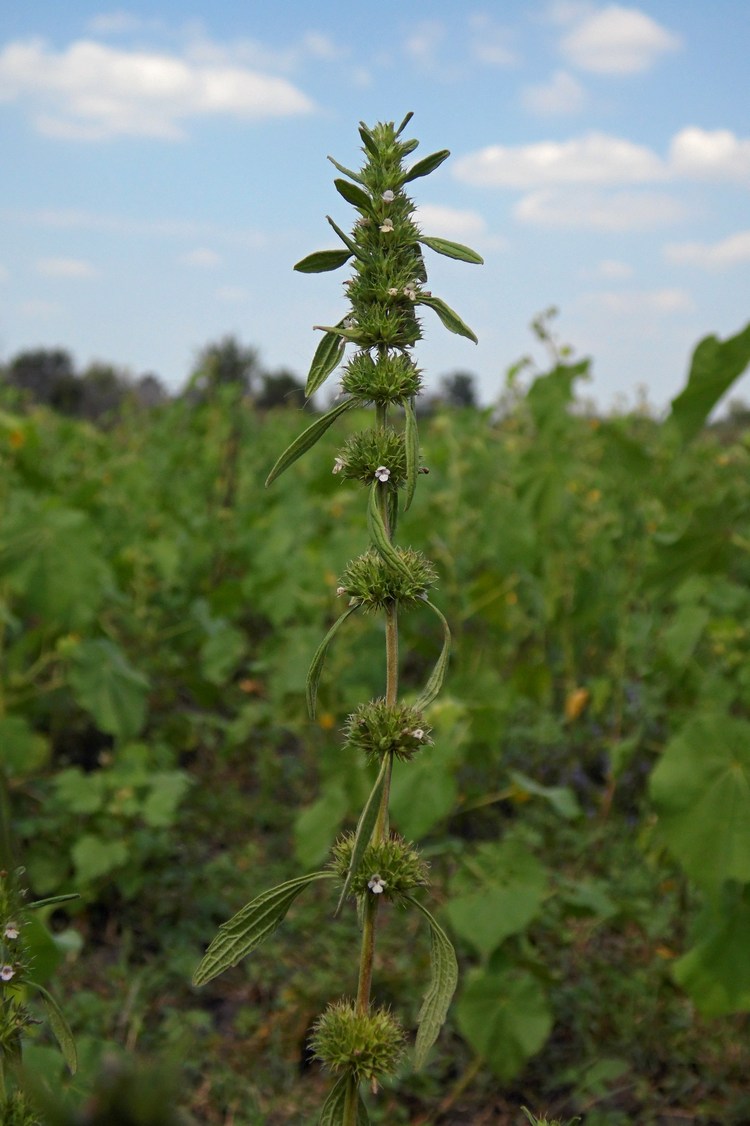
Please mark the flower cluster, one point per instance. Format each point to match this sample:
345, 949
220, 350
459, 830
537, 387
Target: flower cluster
375, 585
368, 1045
374, 455
377, 729
390, 868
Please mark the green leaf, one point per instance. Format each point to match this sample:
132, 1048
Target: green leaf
562, 799
60, 1027
347, 171
346, 240
316, 666
505, 1018
367, 821
95, 856
439, 995
321, 261
715, 366
25, 751
405, 122
307, 439
368, 140
109, 688
451, 320
317, 823
426, 165
328, 356
51, 900
716, 972
241, 934
411, 443
450, 249
379, 534
435, 683
354, 195
332, 1113
701, 791
501, 894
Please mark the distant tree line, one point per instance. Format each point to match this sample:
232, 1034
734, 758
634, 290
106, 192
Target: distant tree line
49, 377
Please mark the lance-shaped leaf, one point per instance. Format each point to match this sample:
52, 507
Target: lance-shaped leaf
328, 356
308, 438
379, 534
405, 122
60, 1027
316, 667
53, 899
450, 319
346, 240
354, 195
347, 171
442, 986
435, 683
334, 1107
411, 443
240, 935
450, 249
368, 140
426, 165
321, 261
367, 821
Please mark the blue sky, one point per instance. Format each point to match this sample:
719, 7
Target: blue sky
165, 166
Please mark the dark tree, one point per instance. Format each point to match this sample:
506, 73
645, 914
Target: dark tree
226, 363
280, 389
459, 389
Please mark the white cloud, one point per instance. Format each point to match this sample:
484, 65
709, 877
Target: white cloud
66, 268
233, 294
562, 94
592, 159
119, 23
629, 303
423, 42
617, 40
39, 310
731, 251
449, 222
491, 43
713, 154
93, 92
614, 270
202, 257
601, 211
74, 219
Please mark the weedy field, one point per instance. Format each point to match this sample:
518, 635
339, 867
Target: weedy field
584, 809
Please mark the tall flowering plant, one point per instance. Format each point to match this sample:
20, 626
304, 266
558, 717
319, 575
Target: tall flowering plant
357, 1040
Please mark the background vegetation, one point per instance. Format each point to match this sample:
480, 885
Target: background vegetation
159, 609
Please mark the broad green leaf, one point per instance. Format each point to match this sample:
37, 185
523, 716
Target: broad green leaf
716, 972
221, 652
437, 676
316, 666
683, 633
561, 798
346, 171
109, 688
426, 165
505, 1017
450, 249
701, 791
500, 895
315, 826
95, 856
354, 195
167, 789
716, 364
321, 261
346, 240
308, 438
411, 443
450, 319
60, 1028
367, 821
24, 751
328, 356
332, 1113
241, 934
439, 995
378, 533
424, 792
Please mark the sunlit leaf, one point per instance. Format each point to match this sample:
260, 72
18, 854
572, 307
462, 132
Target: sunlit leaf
328, 356
379, 534
716, 972
241, 934
108, 687
308, 438
715, 366
354, 195
506, 1019
426, 165
321, 261
450, 249
346, 171
450, 319
435, 683
437, 999
316, 666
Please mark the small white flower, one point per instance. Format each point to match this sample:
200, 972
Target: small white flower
389, 196
386, 226
338, 465
7, 972
410, 291
11, 931
418, 733
382, 473
340, 590
393, 292
350, 322
376, 884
